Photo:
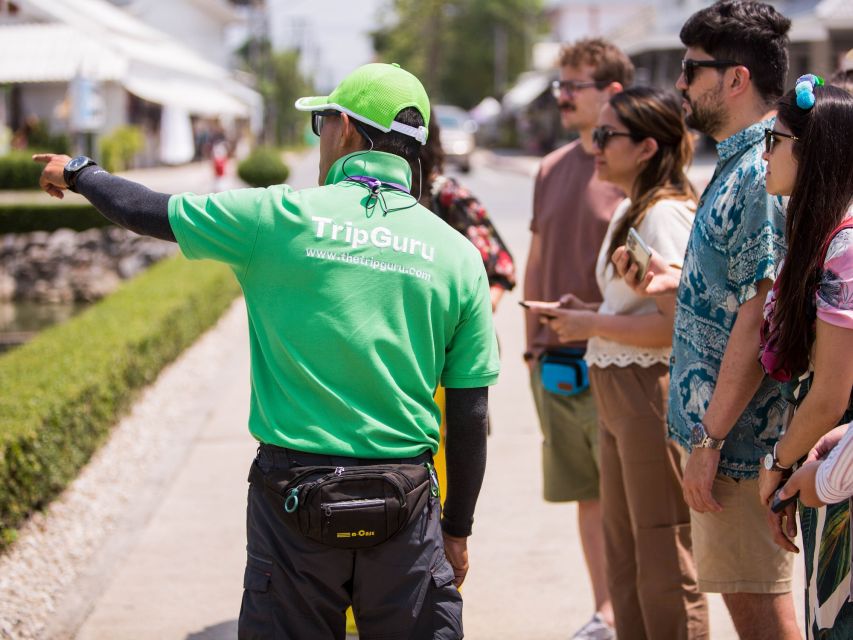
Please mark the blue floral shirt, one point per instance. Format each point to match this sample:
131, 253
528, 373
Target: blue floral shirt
738, 239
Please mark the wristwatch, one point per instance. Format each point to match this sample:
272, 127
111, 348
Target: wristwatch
771, 462
700, 439
73, 168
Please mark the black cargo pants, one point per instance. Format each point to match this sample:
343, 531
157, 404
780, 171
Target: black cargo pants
297, 589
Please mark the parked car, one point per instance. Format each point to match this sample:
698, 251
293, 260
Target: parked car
457, 135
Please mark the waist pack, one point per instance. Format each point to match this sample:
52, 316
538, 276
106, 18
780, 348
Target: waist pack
348, 507
564, 372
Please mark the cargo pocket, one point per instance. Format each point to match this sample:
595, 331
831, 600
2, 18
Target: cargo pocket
255, 611
441, 613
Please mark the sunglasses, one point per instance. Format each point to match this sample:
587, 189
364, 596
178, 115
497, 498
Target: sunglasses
317, 118
601, 136
558, 87
771, 137
689, 66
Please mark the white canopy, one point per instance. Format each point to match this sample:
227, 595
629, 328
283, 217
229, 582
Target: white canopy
94, 39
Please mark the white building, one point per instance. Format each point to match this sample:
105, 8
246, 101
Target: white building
87, 67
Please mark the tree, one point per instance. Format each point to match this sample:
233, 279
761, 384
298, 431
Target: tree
280, 83
462, 50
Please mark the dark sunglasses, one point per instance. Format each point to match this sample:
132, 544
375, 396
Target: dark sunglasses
601, 135
689, 66
559, 87
317, 118
771, 138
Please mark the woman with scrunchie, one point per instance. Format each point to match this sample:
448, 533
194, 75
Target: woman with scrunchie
807, 338
643, 147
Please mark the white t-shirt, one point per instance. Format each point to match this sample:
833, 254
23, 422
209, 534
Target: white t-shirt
666, 229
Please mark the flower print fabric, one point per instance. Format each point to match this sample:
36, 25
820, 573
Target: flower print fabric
454, 204
834, 298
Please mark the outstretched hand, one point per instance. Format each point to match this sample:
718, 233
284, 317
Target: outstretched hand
52, 178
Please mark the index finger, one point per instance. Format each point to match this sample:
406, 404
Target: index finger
44, 157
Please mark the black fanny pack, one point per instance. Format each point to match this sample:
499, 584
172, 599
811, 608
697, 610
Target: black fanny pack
348, 507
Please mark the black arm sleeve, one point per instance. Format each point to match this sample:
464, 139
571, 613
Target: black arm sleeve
128, 204
465, 451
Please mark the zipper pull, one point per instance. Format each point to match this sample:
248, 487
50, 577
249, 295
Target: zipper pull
339, 471
327, 510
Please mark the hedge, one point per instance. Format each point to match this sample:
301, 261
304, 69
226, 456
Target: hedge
64, 390
18, 171
23, 218
263, 168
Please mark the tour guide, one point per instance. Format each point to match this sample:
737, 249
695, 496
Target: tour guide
360, 303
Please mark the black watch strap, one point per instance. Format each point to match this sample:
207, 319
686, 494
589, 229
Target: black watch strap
73, 168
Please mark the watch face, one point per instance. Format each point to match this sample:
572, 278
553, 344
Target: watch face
77, 163
768, 461
697, 435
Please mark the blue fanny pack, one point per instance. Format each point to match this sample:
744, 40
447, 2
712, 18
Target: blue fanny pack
564, 372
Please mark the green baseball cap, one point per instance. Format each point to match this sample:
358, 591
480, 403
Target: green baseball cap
374, 94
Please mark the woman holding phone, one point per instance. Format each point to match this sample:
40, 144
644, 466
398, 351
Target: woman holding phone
807, 339
642, 147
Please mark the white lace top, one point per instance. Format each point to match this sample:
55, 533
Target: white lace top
665, 228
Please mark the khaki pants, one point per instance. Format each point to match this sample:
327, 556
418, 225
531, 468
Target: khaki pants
650, 569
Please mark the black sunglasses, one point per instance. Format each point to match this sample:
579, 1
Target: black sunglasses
601, 135
770, 139
317, 118
571, 86
689, 66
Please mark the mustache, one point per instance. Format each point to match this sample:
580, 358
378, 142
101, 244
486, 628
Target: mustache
686, 98
567, 106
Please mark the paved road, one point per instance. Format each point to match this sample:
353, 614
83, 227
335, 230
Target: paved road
180, 575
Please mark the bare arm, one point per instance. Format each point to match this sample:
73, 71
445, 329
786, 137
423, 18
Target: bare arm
828, 396
740, 374
648, 330
739, 379
533, 286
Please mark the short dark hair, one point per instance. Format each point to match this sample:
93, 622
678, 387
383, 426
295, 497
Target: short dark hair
752, 33
609, 62
843, 79
395, 142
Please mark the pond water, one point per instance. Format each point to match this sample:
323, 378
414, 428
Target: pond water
20, 321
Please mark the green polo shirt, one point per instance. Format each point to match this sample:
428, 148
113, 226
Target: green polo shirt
355, 314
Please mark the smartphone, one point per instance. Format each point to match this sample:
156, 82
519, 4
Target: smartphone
778, 505
640, 252
542, 308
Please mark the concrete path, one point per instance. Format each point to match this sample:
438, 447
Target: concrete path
179, 576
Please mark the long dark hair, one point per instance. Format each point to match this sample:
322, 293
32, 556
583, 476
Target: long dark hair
822, 194
652, 113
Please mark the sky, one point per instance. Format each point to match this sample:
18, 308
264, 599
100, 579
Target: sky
333, 34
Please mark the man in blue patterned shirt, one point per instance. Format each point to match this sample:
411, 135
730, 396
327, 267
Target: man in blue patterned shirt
722, 409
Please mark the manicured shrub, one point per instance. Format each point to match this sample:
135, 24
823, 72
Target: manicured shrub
63, 391
119, 147
263, 168
24, 218
18, 171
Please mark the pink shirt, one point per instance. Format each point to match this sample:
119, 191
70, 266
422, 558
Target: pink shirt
835, 293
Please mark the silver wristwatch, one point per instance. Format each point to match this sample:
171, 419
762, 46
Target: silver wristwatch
771, 462
700, 439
